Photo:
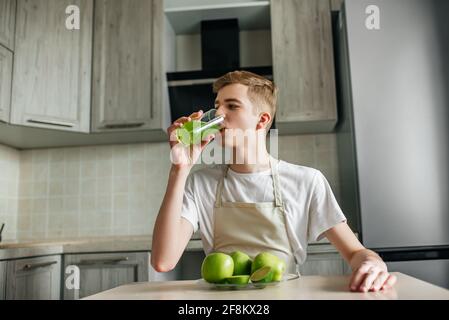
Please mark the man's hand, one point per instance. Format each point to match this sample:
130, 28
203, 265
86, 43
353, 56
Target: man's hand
371, 273
185, 156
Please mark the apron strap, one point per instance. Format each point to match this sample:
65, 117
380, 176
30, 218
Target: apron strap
218, 199
276, 184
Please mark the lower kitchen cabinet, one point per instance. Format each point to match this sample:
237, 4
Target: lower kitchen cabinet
33, 279
104, 271
2, 280
324, 264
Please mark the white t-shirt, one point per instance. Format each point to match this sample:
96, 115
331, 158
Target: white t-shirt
309, 203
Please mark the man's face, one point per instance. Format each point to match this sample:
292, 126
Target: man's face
233, 102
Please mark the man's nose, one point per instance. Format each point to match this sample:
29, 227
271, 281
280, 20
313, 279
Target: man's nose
220, 111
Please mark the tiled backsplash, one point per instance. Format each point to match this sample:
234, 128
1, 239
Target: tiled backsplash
9, 179
111, 190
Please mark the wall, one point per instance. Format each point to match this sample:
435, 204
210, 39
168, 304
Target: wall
9, 177
91, 191
111, 190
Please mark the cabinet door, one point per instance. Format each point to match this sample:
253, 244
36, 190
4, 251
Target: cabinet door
123, 66
2, 280
336, 4
34, 279
7, 22
5, 83
100, 272
324, 264
303, 66
52, 66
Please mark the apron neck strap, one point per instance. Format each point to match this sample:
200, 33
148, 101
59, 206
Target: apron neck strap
276, 184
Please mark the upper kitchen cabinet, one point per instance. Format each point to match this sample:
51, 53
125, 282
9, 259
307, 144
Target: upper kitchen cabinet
7, 22
303, 66
5, 83
52, 65
127, 74
336, 4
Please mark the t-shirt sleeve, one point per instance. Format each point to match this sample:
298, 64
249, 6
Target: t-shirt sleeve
189, 209
324, 211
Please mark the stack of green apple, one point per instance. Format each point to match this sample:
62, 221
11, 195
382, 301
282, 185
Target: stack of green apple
238, 268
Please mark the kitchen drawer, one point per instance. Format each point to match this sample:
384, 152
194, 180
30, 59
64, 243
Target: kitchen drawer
104, 271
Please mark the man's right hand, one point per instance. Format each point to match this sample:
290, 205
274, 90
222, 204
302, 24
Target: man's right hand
181, 156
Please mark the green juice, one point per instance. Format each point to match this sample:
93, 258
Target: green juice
193, 132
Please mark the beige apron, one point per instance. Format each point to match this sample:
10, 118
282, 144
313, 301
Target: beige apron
253, 227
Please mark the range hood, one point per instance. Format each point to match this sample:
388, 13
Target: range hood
220, 52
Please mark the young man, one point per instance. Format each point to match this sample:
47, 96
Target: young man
254, 206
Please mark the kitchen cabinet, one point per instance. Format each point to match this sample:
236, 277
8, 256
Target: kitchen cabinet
2, 280
52, 66
7, 23
5, 83
303, 66
104, 271
324, 264
336, 4
127, 70
34, 279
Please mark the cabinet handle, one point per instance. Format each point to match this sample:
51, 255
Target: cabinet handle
31, 266
103, 261
123, 125
52, 123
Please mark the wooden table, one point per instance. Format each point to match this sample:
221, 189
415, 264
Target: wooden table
304, 288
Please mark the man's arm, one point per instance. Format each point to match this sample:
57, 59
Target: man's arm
171, 232
369, 272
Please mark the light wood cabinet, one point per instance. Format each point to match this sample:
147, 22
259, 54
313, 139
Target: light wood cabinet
127, 75
2, 280
303, 65
7, 23
336, 4
34, 279
52, 66
324, 264
5, 83
103, 271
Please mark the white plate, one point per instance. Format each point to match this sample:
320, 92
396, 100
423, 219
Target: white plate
287, 277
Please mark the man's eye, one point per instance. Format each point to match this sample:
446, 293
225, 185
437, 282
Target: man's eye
232, 106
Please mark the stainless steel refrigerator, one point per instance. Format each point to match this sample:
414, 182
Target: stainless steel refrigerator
392, 62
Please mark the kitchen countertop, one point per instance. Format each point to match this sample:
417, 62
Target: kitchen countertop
32, 248
304, 288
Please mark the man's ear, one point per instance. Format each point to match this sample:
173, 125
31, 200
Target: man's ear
264, 120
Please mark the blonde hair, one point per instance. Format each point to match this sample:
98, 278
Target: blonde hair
261, 91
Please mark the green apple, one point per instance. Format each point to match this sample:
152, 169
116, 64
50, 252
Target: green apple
242, 263
238, 279
268, 259
216, 267
262, 275
279, 270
